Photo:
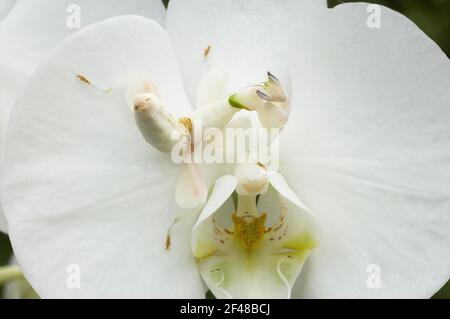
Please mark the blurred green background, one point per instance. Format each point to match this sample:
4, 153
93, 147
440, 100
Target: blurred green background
432, 16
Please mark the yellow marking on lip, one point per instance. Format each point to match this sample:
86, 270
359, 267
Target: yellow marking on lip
249, 229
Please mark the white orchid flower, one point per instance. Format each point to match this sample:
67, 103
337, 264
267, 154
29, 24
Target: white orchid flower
366, 148
29, 31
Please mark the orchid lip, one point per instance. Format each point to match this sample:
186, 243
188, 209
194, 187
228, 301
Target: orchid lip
263, 247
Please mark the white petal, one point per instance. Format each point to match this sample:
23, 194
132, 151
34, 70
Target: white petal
5, 8
211, 87
246, 38
32, 29
29, 30
26, 45
80, 185
367, 148
279, 183
11, 83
